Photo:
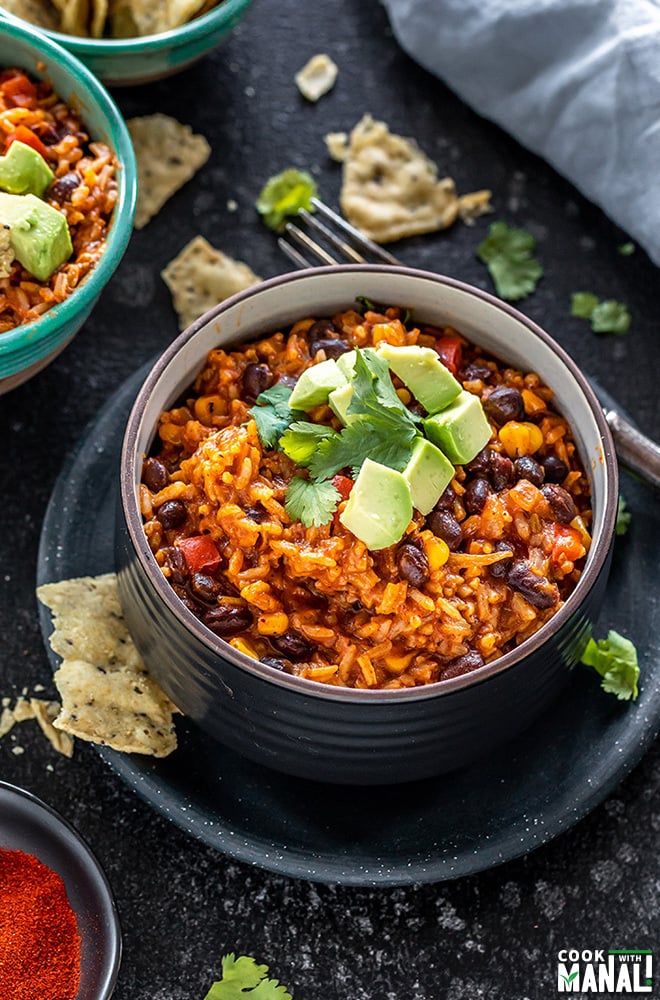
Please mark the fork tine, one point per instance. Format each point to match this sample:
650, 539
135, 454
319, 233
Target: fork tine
309, 244
294, 255
362, 241
331, 237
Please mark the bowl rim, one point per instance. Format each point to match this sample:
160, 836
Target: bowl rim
121, 224
599, 551
64, 833
188, 32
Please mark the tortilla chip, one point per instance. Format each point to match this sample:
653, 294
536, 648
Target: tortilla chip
473, 205
181, 11
201, 276
168, 154
7, 721
99, 17
39, 12
74, 16
391, 189
23, 710
107, 694
45, 712
122, 24
317, 77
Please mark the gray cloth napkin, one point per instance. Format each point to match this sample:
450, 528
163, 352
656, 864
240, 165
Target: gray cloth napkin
576, 81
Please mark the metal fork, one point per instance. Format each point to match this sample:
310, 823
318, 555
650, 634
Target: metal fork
638, 453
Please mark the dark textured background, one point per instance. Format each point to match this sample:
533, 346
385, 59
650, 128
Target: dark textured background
182, 905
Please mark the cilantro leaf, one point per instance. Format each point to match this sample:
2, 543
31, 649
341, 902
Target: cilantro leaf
311, 503
301, 440
373, 390
508, 255
272, 414
244, 979
284, 195
626, 249
623, 516
610, 317
615, 659
583, 304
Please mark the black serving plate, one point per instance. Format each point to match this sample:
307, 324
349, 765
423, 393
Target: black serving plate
30, 825
528, 792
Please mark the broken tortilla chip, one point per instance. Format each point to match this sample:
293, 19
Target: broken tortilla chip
317, 77
168, 154
38, 12
390, 188
107, 695
200, 276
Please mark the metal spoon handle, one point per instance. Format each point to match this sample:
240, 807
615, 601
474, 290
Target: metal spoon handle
636, 451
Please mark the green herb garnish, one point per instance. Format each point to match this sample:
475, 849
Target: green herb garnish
615, 659
243, 979
311, 503
606, 317
272, 414
284, 195
623, 516
302, 438
626, 249
508, 256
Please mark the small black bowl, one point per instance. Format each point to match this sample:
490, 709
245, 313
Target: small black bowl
27, 824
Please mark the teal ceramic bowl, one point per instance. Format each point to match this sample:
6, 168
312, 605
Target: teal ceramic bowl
130, 61
29, 348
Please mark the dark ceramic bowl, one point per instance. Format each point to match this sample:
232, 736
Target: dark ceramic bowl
28, 824
336, 734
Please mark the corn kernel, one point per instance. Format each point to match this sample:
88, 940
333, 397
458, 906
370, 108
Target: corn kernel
397, 664
520, 438
273, 624
208, 407
244, 647
404, 396
437, 550
533, 403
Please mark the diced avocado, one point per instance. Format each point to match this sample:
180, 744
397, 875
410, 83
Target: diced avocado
461, 430
315, 385
39, 233
339, 400
428, 474
346, 363
379, 508
422, 371
24, 171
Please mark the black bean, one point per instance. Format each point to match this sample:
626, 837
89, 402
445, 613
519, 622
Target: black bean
446, 500
175, 560
561, 502
444, 525
331, 348
476, 495
257, 514
321, 329
64, 187
475, 371
277, 663
205, 588
462, 665
413, 564
256, 378
501, 568
228, 619
528, 468
154, 475
481, 462
501, 471
503, 404
555, 470
534, 588
292, 646
172, 514
51, 133
189, 602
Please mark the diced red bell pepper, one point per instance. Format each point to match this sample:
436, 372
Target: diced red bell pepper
343, 485
450, 349
568, 545
19, 90
200, 553
24, 134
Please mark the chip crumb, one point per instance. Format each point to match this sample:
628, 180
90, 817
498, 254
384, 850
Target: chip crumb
168, 155
201, 276
18, 750
337, 145
232, 205
317, 77
391, 189
45, 712
472, 206
107, 695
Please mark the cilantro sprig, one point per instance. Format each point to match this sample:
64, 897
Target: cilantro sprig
244, 979
272, 414
615, 659
311, 503
284, 195
623, 516
608, 316
508, 255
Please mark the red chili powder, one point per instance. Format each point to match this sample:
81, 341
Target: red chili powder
39, 940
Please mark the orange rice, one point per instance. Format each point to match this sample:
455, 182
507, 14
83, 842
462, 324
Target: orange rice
84, 189
314, 600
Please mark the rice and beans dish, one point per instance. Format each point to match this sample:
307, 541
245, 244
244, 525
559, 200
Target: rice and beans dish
489, 560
